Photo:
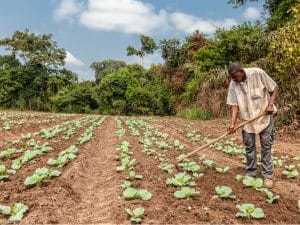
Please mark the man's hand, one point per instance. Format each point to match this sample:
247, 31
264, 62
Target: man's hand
231, 128
269, 109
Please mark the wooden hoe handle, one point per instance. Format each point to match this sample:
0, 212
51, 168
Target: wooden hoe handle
219, 138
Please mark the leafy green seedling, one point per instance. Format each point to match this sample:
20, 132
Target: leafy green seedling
190, 166
180, 180
253, 182
126, 184
209, 163
222, 170
8, 153
39, 175
298, 204
133, 176
127, 165
249, 210
132, 193
290, 171
166, 167
198, 175
224, 192
185, 193
16, 212
271, 198
136, 214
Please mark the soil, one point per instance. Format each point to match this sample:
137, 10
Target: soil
89, 189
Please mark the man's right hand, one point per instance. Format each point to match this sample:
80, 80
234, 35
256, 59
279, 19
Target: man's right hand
231, 129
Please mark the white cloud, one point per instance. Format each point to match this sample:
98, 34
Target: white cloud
66, 10
188, 23
251, 13
134, 16
72, 60
128, 16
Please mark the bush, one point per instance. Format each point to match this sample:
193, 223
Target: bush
196, 113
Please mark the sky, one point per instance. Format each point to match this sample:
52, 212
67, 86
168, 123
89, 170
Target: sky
97, 30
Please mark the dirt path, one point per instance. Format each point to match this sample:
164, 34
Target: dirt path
88, 189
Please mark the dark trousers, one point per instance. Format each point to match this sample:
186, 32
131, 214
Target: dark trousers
266, 142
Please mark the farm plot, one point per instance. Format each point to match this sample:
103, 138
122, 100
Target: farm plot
122, 170
14, 123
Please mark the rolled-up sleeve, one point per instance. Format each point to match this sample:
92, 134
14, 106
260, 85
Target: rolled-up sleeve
231, 97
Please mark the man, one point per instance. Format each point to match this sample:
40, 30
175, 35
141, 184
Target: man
252, 92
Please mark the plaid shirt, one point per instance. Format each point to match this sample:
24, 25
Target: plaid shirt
252, 97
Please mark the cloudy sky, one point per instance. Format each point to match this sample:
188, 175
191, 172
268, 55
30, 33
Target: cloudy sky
96, 30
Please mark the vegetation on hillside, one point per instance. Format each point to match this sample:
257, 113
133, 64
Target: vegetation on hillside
192, 80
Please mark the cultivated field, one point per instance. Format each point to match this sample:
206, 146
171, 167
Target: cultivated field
70, 168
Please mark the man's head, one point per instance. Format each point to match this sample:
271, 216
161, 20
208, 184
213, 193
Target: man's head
236, 72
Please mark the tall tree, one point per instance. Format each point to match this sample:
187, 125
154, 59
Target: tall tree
34, 49
148, 47
105, 67
172, 52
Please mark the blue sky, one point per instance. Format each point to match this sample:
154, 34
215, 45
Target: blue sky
96, 30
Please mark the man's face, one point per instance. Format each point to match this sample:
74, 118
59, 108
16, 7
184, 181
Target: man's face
238, 76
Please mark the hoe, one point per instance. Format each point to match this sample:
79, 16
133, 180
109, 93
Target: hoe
217, 139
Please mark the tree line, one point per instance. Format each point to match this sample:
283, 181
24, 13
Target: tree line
193, 74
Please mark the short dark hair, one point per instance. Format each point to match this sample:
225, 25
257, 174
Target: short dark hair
234, 67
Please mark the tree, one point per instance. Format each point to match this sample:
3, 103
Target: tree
172, 52
34, 49
105, 67
77, 98
148, 47
284, 56
193, 43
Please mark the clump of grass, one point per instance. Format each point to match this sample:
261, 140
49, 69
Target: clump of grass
196, 113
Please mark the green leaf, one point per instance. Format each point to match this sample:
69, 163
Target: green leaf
224, 191
18, 211
253, 182
130, 193
145, 195
128, 211
138, 212
5, 210
179, 194
54, 173
258, 213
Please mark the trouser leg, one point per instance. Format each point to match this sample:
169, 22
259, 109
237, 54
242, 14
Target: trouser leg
251, 162
266, 142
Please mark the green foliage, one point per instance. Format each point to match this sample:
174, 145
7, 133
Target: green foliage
280, 12
252, 182
132, 193
249, 210
245, 43
185, 193
136, 214
190, 166
125, 92
77, 98
180, 180
172, 52
39, 175
16, 212
196, 113
148, 47
284, 57
209, 57
34, 49
106, 67
224, 192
